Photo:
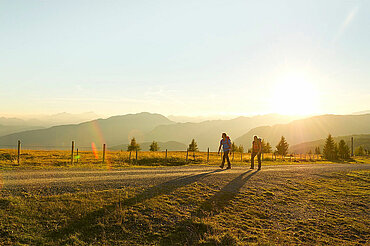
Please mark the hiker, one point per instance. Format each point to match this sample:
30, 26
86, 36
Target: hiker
256, 151
226, 146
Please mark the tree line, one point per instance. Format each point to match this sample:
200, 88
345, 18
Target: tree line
331, 150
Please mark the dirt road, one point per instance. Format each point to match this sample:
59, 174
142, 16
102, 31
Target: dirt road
56, 181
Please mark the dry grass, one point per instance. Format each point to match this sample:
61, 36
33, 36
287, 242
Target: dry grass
119, 159
327, 210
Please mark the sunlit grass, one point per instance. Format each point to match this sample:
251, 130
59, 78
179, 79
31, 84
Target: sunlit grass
121, 159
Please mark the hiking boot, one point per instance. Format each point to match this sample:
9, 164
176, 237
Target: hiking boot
228, 167
222, 167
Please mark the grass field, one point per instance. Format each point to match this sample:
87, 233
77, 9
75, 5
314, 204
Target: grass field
119, 159
328, 209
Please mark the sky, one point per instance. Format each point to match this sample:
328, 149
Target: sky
184, 57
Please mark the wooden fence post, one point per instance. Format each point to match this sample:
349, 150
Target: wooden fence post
73, 147
129, 157
208, 155
187, 155
77, 155
351, 146
19, 152
241, 156
103, 153
166, 156
136, 157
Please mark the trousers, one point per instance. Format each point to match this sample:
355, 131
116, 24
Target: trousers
254, 154
226, 157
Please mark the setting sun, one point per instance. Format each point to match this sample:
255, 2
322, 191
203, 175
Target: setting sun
294, 93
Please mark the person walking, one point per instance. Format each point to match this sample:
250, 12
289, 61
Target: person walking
256, 151
226, 146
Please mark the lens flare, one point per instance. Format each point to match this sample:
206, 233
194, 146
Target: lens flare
95, 152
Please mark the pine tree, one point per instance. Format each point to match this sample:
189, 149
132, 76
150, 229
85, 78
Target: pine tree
330, 149
360, 151
193, 146
266, 148
282, 147
241, 149
234, 148
133, 145
154, 146
343, 150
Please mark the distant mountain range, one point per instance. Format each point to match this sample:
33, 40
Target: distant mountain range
112, 131
48, 120
117, 131
358, 140
310, 129
208, 133
362, 112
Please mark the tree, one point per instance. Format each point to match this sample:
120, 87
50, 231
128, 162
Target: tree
154, 146
282, 147
317, 150
241, 149
133, 145
193, 146
330, 149
234, 148
343, 150
359, 151
266, 147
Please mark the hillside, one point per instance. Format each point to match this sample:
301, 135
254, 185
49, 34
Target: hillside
310, 129
113, 131
170, 146
358, 140
208, 133
6, 129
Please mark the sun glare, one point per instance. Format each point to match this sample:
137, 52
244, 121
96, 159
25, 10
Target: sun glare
294, 94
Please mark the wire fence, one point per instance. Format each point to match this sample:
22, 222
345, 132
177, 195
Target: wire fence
91, 155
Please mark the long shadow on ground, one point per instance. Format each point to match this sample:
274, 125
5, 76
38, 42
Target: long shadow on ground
84, 224
188, 232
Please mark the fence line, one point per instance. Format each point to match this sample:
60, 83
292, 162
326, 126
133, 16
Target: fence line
119, 156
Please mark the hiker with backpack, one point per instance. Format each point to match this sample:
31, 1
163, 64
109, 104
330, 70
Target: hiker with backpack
226, 146
256, 151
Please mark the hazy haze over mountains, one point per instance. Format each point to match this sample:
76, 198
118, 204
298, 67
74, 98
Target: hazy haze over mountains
310, 129
48, 120
113, 131
208, 133
117, 131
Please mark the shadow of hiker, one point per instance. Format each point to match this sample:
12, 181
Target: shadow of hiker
221, 199
189, 231
89, 220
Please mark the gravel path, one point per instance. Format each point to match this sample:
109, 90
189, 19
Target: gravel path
56, 181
